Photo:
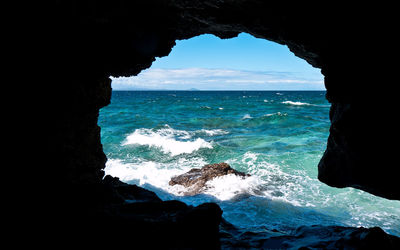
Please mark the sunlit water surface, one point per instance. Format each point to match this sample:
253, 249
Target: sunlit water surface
277, 137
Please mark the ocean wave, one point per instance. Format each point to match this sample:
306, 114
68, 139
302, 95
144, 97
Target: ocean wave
296, 103
246, 116
275, 114
274, 183
169, 140
142, 172
212, 132
263, 119
158, 175
267, 180
303, 104
229, 186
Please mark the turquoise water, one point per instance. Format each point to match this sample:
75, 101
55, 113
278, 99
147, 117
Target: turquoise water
277, 137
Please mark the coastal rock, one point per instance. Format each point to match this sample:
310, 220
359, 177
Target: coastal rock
309, 237
82, 63
196, 178
127, 192
119, 212
155, 223
347, 162
78, 48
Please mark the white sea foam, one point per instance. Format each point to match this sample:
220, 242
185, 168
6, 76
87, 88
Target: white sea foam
266, 180
296, 103
277, 113
246, 116
159, 174
304, 104
167, 139
273, 182
228, 186
212, 132
156, 174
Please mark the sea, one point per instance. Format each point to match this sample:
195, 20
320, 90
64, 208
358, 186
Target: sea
278, 137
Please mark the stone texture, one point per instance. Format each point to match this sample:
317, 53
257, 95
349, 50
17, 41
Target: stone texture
116, 214
86, 53
359, 152
310, 237
80, 44
196, 179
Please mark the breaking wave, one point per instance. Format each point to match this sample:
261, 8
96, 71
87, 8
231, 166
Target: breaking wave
169, 140
296, 103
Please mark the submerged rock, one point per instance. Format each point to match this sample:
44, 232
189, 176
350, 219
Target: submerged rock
196, 178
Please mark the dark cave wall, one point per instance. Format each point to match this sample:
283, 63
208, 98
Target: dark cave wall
77, 138
93, 40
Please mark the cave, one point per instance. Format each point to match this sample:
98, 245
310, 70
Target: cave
347, 43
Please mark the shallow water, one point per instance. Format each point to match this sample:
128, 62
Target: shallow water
278, 137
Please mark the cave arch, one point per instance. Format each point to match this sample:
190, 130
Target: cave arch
150, 29
353, 49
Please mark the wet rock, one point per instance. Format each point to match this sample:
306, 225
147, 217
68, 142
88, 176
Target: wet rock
128, 192
157, 224
196, 178
79, 55
119, 212
310, 237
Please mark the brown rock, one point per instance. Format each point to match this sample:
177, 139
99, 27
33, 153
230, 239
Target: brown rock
196, 178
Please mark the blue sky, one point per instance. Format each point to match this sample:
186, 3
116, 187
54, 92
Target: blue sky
207, 62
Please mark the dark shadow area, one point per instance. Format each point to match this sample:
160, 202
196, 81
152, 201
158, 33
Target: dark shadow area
73, 55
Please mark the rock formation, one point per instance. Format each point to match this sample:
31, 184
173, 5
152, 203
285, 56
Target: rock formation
85, 53
196, 178
310, 237
80, 44
123, 215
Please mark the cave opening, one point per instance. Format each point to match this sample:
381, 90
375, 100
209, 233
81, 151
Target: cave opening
272, 124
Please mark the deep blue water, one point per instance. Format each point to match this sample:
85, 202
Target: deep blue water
276, 136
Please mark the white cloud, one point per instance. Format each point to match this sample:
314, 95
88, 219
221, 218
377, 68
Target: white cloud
218, 79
